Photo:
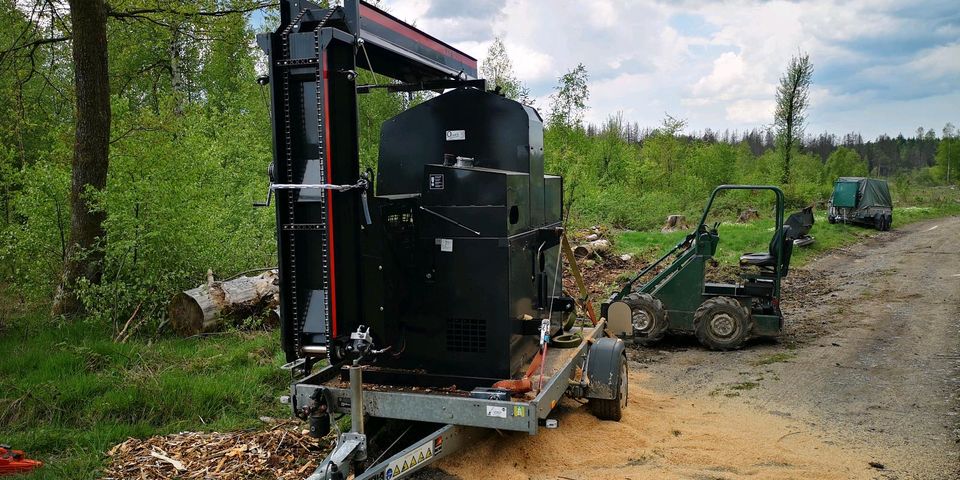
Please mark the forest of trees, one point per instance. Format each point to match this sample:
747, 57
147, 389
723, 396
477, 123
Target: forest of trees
189, 142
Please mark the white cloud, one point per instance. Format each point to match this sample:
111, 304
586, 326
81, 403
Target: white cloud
720, 69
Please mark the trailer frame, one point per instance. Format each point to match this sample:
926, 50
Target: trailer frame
460, 418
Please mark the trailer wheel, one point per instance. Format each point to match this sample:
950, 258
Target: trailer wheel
648, 317
831, 219
887, 220
612, 409
721, 323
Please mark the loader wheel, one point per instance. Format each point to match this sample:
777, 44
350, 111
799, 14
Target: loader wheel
612, 409
721, 323
648, 317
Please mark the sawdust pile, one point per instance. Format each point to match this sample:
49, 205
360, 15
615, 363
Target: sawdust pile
661, 437
282, 451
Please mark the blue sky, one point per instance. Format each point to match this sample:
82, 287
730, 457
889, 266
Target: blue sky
880, 66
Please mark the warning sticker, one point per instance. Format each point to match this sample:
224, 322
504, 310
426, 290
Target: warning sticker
494, 411
407, 463
456, 135
519, 411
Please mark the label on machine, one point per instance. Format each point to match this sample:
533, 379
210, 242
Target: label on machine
436, 181
446, 244
456, 135
494, 411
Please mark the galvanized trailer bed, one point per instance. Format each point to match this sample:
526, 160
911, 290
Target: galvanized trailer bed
593, 369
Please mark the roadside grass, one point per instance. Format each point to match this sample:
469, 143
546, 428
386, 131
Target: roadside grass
68, 392
739, 238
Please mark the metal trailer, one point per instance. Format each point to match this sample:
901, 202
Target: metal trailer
341, 289
864, 201
596, 369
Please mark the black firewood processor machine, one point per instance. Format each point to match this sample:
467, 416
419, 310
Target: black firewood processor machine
429, 309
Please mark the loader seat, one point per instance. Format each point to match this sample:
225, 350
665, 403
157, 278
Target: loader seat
768, 259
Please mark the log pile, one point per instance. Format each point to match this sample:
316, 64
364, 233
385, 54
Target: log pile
282, 451
203, 309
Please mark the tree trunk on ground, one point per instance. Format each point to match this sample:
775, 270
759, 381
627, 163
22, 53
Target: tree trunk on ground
91, 152
204, 309
595, 247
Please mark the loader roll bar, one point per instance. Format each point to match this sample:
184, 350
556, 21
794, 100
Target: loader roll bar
692, 236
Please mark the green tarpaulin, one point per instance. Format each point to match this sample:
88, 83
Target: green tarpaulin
872, 192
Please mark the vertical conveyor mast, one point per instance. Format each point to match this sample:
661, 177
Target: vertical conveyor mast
320, 194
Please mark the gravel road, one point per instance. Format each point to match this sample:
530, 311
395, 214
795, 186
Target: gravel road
870, 360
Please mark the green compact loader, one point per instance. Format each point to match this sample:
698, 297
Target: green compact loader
679, 299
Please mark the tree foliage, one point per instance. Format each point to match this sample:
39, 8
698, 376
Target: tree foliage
569, 99
497, 69
793, 98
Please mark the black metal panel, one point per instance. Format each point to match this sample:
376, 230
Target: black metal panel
493, 130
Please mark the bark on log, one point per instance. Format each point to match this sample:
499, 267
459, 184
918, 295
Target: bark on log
595, 247
204, 309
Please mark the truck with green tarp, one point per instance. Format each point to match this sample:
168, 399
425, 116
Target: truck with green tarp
865, 201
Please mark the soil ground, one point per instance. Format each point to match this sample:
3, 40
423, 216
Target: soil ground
863, 384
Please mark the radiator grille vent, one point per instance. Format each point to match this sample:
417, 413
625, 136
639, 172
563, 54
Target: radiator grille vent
466, 335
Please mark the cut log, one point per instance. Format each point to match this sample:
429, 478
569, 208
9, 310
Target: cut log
203, 309
595, 247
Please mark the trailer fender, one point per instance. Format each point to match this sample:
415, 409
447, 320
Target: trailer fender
603, 367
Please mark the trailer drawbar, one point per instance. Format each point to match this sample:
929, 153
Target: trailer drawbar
424, 300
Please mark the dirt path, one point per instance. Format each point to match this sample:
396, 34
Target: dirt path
868, 371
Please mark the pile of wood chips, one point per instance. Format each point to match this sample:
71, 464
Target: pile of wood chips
281, 451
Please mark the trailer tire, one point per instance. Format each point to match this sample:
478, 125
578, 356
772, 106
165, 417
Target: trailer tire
831, 219
887, 220
612, 409
722, 323
647, 316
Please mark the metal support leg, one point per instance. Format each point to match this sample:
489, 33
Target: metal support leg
352, 446
356, 398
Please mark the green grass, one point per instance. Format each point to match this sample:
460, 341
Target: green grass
739, 238
774, 358
68, 392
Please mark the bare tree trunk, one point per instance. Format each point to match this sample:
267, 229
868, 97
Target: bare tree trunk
90, 155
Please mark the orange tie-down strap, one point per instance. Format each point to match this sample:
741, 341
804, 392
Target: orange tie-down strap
525, 384
584, 300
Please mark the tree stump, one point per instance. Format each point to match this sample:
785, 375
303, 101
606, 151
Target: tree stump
748, 215
674, 223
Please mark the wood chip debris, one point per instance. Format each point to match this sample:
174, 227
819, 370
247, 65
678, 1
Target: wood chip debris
282, 451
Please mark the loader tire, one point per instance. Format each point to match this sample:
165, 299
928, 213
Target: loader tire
722, 323
612, 409
648, 317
